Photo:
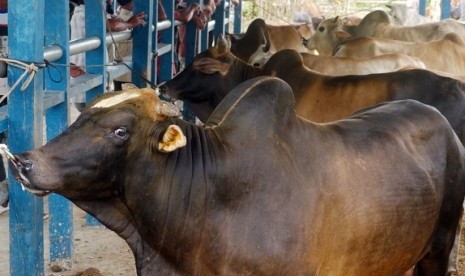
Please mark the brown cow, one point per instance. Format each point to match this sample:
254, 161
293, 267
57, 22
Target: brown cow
319, 98
258, 190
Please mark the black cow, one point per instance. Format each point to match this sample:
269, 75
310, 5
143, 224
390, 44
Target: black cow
258, 190
261, 37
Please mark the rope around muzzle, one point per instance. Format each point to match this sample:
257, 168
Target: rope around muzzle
5, 152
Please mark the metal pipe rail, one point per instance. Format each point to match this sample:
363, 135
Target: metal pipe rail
55, 52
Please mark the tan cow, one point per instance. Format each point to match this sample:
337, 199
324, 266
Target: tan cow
289, 36
401, 15
331, 32
341, 66
433, 54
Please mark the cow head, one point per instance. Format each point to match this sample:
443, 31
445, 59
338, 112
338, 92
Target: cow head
256, 38
211, 65
88, 159
263, 53
327, 36
398, 13
204, 83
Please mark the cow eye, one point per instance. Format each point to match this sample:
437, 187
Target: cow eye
321, 29
121, 133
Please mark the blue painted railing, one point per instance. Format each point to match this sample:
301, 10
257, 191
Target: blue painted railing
52, 90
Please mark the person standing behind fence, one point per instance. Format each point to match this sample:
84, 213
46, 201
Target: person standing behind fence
124, 48
3, 89
78, 31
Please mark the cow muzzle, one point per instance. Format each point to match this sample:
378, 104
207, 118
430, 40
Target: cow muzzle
20, 168
162, 89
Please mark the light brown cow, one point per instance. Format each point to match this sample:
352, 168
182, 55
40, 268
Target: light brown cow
289, 37
331, 32
341, 66
401, 15
434, 54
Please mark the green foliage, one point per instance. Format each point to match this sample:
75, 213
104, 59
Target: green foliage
249, 10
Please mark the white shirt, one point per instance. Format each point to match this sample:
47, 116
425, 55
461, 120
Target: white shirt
78, 31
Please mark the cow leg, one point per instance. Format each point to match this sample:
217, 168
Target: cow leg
408, 273
453, 257
436, 261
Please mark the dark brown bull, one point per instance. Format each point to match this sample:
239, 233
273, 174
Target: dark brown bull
257, 190
319, 98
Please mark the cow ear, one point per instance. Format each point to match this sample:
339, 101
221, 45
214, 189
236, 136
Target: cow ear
231, 37
335, 19
342, 34
388, 6
223, 44
210, 66
172, 139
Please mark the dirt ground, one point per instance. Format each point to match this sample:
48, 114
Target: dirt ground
98, 251
97, 248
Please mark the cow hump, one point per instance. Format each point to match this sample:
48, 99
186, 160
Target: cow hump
261, 102
283, 62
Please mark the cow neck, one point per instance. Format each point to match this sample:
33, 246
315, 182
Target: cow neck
182, 194
351, 29
244, 71
186, 168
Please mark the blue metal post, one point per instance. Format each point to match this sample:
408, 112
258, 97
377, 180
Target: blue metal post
165, 72
96, 59
220, 15
25, 109
191, 38
204, 36
445, 9
421, 7
192, 44
238, 15
142, 44
57, 81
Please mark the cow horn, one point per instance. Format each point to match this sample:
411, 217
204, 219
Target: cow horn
222, 44
267, 45
167, 109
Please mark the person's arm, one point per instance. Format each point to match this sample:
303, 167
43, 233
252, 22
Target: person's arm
117, 24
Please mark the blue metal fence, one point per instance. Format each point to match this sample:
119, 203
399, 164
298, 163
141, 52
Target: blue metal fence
38, 30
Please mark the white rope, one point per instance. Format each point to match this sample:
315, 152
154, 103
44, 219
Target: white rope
6, 153
30, 69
